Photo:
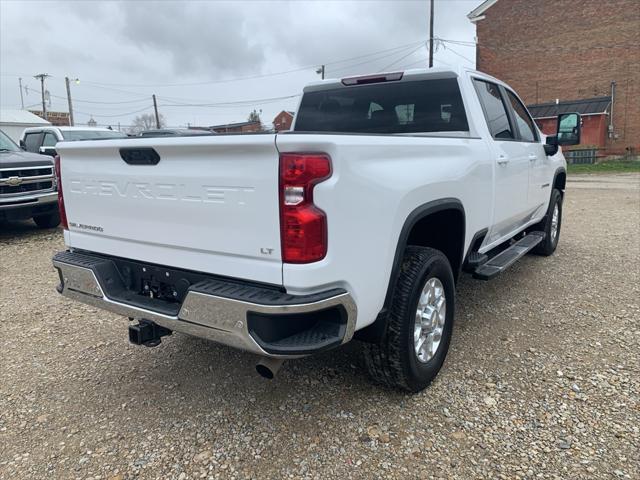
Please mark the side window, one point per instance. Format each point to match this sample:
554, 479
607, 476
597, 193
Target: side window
50, 140
523, 119
32, 142
495, 111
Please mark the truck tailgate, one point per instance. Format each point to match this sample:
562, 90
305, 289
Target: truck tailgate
210, 204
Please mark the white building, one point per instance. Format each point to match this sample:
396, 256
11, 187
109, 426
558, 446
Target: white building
13, 122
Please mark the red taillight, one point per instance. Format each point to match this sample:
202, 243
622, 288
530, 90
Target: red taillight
303, 226
63, 212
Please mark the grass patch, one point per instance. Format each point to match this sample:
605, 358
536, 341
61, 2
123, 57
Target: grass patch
619, 166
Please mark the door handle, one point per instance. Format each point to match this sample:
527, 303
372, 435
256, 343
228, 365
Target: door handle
502, 160
533, 158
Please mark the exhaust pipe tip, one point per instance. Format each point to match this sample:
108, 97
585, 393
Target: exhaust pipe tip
268, 367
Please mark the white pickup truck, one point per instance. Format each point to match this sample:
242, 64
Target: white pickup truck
355, 224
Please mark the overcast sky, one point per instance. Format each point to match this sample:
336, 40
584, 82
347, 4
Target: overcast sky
200, 52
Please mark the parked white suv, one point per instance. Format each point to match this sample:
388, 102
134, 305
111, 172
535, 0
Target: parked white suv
44, 139
357, 223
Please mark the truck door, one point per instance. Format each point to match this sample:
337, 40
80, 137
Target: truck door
539, 164
32, 141
511, 165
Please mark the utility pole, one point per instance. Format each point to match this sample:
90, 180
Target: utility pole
41, 77
66, 81
155, 109
321, 71
21, 97
431, 36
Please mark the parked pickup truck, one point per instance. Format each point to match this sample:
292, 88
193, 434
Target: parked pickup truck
356, 224
27, 186
43, 140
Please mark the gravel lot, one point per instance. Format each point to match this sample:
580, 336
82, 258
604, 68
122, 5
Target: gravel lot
542, 380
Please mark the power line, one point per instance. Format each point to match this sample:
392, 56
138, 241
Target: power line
118, 114
105, 103
241, 103
251, 77
419, 62
460, 55
142, 97
403, 57
117, 90
178, 102
101, 105
459, 42
258, 101
348, 67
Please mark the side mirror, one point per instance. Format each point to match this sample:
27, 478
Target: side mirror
47, 151
22, 145
551, 145
568, 130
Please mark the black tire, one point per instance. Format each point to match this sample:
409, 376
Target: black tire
393, 362
51, 220
550, 242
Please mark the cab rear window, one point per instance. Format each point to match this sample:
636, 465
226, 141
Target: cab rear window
422, 106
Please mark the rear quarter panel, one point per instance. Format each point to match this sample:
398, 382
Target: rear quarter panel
377, 182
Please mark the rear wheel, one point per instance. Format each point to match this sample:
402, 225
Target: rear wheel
550, 226
419, 325
51, 220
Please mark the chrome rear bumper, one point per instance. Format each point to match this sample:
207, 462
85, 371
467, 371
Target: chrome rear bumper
219, 318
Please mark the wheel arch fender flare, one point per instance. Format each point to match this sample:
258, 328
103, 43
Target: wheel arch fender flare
374, 332
560, 171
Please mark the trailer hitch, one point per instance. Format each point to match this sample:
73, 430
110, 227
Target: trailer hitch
147, 333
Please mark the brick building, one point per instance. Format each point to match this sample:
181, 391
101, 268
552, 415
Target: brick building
564, 51
240, 127
283, 121
595, 118
59, 119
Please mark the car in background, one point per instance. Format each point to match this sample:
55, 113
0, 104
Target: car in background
43, 139
27, 186
174, 132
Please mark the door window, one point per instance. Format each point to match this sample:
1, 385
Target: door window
50, 140
523, 119
32, 142
495, 111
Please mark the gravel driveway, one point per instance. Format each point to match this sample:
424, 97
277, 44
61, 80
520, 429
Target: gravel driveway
542, 380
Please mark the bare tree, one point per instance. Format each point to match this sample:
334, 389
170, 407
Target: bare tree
254, 116
146, 121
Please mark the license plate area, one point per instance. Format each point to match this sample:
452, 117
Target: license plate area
156, 282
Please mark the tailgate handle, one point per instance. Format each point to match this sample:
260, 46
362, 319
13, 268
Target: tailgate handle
140, 156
